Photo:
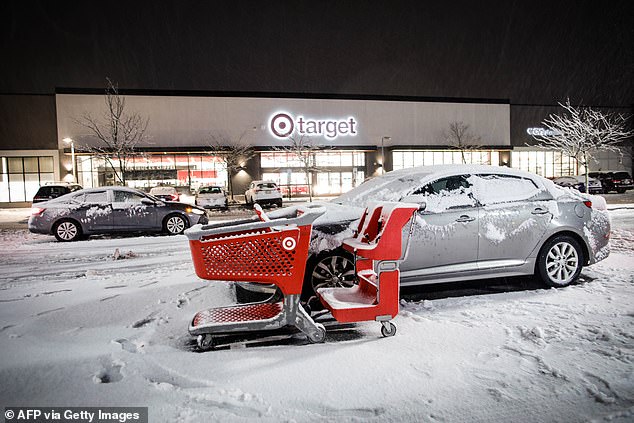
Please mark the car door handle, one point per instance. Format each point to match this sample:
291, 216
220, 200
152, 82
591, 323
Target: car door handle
539, 210
464, 218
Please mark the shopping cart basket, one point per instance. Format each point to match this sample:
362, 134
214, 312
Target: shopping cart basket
267, 251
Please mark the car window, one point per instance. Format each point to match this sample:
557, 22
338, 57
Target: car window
215, 190
447, 193
96, 197
267, 185
127, 197
495, 189
622, 175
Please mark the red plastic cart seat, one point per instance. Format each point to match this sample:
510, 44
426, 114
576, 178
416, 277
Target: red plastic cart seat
377, 248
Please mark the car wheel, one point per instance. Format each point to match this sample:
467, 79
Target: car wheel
175, 224
67, 230
620, 191
329, 269
560, 261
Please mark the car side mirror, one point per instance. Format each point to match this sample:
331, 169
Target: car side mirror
419, 199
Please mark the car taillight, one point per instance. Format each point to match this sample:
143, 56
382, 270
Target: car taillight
174, 197
36, 211
588, 204
617, 181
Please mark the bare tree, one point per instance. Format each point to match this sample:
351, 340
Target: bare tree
117, 131
458, 137
233, 153
581, 132
304, 150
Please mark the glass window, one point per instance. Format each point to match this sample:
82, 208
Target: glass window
127, 197
15, 165
46, 164
30, 165
493, 189
96, 197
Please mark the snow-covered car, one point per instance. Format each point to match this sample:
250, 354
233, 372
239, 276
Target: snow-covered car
578, 182
474, 222
165, 193
211, 197
111, 209
263, 193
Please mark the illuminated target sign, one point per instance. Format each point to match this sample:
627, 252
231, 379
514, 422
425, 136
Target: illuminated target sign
289, 243
283, 124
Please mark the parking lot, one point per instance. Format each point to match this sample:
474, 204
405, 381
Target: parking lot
104, 322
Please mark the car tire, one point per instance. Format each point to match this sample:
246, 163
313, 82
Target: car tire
560, 261
174, 224
67, 231
621, 191
330, 269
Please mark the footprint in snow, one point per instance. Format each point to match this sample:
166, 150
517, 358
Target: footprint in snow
109, 373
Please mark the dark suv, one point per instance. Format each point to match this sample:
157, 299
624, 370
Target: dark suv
48, 192
619, 181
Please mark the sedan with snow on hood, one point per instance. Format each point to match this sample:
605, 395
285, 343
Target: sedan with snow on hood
111, 210
474, 222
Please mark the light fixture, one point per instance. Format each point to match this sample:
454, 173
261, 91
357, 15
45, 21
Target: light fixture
68, 140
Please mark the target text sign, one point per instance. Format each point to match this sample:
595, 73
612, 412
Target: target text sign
282, 125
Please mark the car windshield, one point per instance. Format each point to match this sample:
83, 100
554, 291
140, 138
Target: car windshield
210, 190
621, 175
382, 188
162, 190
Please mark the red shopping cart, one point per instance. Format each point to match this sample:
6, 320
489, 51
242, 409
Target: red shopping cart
267, 251
276, 251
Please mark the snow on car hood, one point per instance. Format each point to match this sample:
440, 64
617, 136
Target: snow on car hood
330, 229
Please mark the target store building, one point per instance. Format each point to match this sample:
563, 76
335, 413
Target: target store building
358, 138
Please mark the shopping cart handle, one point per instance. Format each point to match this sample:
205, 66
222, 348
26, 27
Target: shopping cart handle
196, 232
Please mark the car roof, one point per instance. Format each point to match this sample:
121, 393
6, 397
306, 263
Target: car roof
453, 169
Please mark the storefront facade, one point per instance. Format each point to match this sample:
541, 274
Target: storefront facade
350, 140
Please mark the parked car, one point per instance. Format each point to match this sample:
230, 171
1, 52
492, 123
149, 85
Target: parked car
54, 190
211, 197
186, 195
263, 193
474, 222
619, 181
578, 182
111, 209
165, 193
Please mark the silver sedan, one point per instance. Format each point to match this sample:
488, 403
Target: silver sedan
474, 222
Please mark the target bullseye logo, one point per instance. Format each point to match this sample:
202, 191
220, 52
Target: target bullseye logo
282, 125
289, 243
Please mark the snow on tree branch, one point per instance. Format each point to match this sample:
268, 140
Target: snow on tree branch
581, 132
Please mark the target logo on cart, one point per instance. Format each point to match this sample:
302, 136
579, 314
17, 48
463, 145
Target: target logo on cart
289, 243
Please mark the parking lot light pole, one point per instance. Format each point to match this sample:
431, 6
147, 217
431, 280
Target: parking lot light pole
72, 155
383, 139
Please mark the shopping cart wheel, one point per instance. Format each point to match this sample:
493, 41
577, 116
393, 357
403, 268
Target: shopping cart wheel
388, 329
319, 335
205, 342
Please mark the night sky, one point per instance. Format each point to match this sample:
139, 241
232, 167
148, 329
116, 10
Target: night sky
528, 52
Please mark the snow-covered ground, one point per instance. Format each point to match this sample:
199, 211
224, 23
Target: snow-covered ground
81, 328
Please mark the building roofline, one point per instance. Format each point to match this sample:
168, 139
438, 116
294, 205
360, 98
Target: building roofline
292, 95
